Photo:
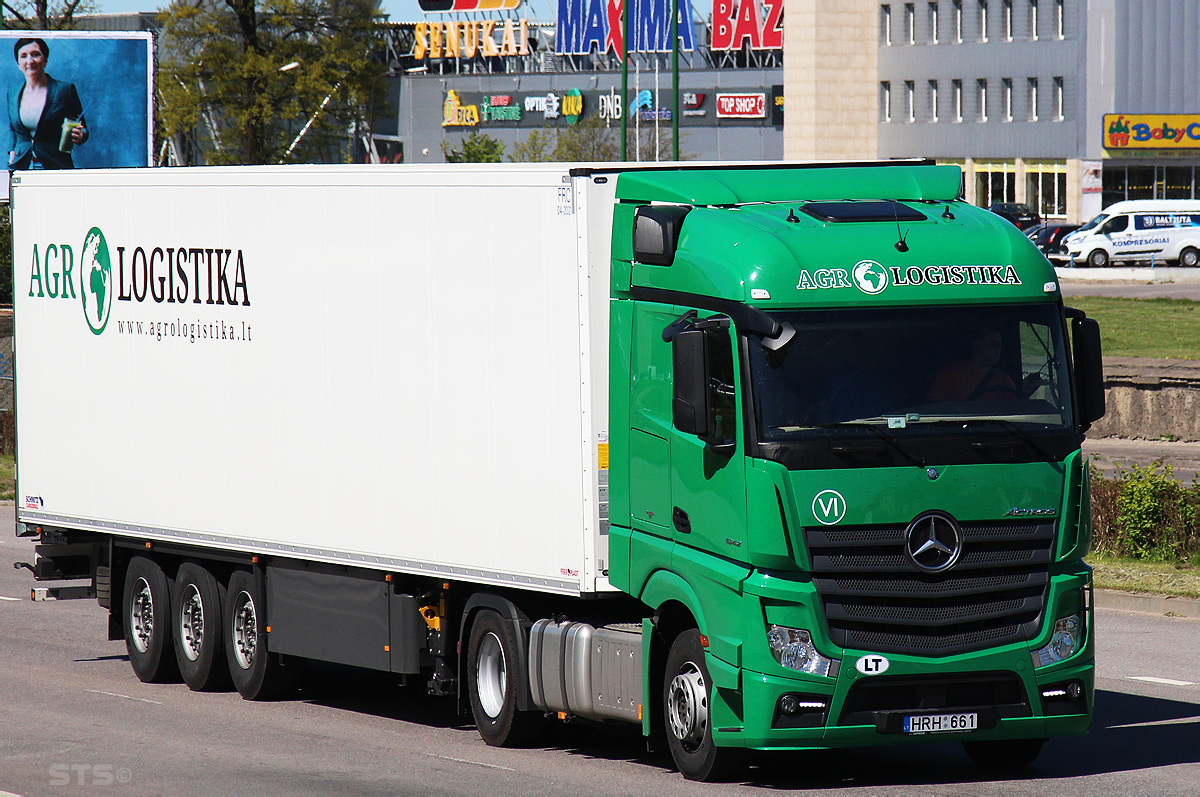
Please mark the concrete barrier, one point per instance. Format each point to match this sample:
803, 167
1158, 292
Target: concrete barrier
1150, 399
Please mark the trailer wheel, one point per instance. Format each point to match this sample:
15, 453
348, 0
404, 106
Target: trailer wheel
257, 674
1098, 258
687, 693
492, 675
1189, 257
147, 608
199, 643
1004, 753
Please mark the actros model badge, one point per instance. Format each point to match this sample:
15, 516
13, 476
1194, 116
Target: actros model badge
933, 542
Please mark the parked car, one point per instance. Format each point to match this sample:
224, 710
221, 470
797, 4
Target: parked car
1050, 238
1021, 215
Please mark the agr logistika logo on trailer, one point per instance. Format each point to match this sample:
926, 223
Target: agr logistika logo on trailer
158, 274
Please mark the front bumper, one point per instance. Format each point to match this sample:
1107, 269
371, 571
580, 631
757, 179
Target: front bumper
1000, 685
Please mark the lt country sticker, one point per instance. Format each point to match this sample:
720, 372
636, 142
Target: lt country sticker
829, 507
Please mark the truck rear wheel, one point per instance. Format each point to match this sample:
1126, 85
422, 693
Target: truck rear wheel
199, 648
1189, 257
257, 674
1004, 753
493, 674
687, 700
147, 616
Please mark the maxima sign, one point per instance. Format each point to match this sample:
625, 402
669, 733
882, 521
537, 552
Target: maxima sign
587, 25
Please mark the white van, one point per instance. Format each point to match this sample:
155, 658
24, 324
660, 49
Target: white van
1139, 230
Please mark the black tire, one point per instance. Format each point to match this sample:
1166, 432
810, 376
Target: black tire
493, 673
256, 673
1098, 258
687, 691
198, 607
1189, 257
1004, 753
147, 618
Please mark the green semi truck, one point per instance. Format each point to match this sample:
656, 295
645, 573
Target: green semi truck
757, 457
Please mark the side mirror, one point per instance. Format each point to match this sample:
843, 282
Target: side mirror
689, 403
1089, 370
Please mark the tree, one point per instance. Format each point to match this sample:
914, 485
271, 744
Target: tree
538, 148
43, 15
476, 148
240, 81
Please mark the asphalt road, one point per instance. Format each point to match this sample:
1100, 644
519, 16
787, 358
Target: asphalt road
1129, 283
74, 719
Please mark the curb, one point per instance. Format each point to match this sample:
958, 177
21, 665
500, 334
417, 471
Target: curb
1147, 604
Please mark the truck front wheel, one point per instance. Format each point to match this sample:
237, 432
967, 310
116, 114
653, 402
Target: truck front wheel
257, 674
687, 711
1098, 258
147, 609
199, 650
493, 674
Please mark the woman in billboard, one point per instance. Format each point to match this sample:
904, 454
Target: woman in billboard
45, 117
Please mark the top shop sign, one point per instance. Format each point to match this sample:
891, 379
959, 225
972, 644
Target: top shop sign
587, 25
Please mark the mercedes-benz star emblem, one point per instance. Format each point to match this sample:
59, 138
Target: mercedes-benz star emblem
933, 542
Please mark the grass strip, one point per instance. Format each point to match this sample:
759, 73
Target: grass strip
1157, 328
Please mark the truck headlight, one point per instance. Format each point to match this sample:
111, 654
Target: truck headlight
1064, 642
794, 649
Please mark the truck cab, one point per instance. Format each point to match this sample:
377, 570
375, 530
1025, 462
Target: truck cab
852, 465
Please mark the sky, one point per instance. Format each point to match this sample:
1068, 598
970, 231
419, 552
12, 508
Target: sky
399, 10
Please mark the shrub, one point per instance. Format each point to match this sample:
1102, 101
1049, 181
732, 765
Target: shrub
1145, 513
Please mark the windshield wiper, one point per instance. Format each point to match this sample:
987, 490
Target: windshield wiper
873, 429
1009, 426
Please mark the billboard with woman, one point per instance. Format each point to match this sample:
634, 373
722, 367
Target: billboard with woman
76, 100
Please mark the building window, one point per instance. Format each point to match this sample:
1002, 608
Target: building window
958, 21
933, 100
995, 182
1033, 20
1046, 187
982, 92
957, 84
1060, 26
1033, 99
885, 24
885, 101
910, 105
933, 22
1059, 114
910, 23
1006, 84
1007, 10
983, 20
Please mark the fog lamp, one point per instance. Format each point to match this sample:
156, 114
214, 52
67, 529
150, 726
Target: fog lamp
1064, 642
794, 649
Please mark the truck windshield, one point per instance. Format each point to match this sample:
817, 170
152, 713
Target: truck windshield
915, 373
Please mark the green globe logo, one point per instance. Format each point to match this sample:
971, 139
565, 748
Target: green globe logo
95, 276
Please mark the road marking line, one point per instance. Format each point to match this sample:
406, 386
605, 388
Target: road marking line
1182, 721
466, 761
2, 598
1165, 681
127, 697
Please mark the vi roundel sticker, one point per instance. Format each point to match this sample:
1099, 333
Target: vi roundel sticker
829, 507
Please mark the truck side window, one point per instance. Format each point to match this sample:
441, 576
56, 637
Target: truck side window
721, 395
